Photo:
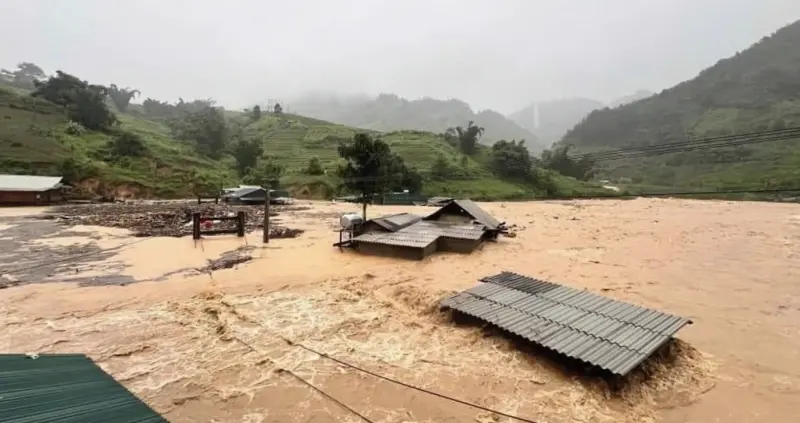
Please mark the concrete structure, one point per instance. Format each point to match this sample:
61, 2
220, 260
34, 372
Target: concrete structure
26, 190
455, 228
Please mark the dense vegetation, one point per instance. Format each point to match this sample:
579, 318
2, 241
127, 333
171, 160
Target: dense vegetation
388, 112
102, 142
755, 90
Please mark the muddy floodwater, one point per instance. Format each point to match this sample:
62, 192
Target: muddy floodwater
203, 342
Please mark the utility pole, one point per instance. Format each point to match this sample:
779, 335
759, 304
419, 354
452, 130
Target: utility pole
266, 215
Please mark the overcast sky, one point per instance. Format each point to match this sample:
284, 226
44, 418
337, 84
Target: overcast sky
499, 54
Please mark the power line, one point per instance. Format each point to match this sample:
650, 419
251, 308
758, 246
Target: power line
406, 385
694, 144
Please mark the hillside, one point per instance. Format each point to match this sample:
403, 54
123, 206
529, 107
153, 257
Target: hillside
638, 95
388, 112
36, 138
755, 90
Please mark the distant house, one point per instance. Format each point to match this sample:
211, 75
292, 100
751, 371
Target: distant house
26, 190
253, 195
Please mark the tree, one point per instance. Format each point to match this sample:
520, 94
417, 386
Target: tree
85, 103
558, 159
26, 75
440, 169
278, 109
206, 127
246, 152
127, 144
315, 167
468, 137
266, 174
204, 184
256, 113
369, 167
161, 109
511, 160
121, 97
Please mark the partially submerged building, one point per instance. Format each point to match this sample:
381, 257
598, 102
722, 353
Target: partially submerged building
254, 195
459, 226
29, 190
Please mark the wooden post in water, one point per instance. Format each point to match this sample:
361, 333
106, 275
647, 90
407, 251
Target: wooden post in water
266, 216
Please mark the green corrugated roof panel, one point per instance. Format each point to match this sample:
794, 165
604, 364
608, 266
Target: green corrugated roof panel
65, 388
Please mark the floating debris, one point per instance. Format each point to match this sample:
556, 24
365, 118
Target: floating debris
165, 218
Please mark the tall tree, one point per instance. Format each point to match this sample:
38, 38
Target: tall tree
247, 152
85, 103
468, 137
278, 109
25, 76
511, 159
121, 97
206, 127
370, 167
256, 113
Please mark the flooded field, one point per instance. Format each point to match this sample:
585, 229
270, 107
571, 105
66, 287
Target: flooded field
201, 343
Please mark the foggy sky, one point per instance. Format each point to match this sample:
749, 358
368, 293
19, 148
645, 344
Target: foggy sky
499, 54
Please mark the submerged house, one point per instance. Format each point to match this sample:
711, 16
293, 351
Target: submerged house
459, 226
28, 190
253, 195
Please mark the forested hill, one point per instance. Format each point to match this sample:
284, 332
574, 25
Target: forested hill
757, 89
388, 112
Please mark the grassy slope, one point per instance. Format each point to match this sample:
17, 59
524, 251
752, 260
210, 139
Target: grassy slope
37, 143
749, 92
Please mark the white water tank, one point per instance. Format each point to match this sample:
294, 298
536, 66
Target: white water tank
349, 220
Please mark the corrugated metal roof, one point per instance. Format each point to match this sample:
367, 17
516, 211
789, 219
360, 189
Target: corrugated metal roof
399, 239
244, 191
66, 388
395, 222
29, 183
470, 208
447, 230
610, 334
478, 213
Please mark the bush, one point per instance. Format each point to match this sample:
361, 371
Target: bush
74, 128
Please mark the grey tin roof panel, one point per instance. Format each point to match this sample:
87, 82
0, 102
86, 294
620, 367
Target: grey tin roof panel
447, 230
398, 221
607, 333
29, 183
65, 388
398, 239
478, 213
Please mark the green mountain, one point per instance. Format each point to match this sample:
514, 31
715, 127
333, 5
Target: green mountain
388, 112
754, 90
638, 95
36, 137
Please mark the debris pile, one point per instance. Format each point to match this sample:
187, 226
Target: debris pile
167, 218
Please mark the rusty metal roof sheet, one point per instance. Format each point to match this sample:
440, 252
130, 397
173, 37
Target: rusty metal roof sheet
65, 388
610, 334
398, 239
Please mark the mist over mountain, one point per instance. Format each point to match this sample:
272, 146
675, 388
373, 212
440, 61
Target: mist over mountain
389, 112
638, 95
